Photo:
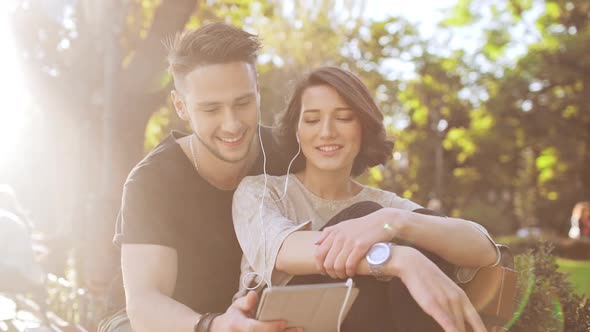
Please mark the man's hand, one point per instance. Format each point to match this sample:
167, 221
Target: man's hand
434, 292
342, 247
236, 319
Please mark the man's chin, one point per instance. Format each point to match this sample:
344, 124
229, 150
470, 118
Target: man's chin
234, 156
234, 160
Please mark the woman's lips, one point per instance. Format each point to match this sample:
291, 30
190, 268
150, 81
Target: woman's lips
329, 149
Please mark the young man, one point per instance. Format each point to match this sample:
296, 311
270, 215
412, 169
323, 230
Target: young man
179, 255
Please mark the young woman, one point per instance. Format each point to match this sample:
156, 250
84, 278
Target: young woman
317, 224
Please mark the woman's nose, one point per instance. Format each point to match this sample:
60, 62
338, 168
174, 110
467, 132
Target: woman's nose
327, 129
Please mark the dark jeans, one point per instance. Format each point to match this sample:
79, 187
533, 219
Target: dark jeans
380, 306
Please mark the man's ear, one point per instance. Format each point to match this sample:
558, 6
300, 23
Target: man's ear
179, 105
258, 99
258, 89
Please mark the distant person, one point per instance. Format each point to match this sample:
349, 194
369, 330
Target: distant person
580, 221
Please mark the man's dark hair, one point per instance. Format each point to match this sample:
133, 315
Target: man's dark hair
375, 147
213, 43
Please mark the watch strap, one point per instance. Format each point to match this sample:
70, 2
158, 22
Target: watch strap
377, 270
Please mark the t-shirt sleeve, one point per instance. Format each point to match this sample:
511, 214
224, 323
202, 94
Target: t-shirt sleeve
261, 229
145, 214
394, 201
465, 274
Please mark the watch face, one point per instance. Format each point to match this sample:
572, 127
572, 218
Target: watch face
378, 254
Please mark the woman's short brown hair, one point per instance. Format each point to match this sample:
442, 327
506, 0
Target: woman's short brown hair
376, 149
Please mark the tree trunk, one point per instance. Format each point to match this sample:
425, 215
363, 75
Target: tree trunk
133, 95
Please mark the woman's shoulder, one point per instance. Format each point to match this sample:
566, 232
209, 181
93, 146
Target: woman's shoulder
389, 199
377, 192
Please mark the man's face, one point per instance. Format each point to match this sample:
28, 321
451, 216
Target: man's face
221, 103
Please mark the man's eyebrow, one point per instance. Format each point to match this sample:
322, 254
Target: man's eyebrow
216, 103
244, 96
208, 103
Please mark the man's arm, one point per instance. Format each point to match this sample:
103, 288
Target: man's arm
149, 277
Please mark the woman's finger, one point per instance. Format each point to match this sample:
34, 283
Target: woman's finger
451, 297
354, 258
436, 304
322, 251
331, 258
323, 235
473, 318
442, 317
456, 306
340, 262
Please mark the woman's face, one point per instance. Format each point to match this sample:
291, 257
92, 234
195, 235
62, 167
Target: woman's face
329, 130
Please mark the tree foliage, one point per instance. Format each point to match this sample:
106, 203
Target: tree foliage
498, 131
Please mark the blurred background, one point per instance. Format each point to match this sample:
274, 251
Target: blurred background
487, 100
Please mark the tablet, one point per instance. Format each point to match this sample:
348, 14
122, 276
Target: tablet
315, 308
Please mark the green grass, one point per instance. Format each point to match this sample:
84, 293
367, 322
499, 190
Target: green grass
579, 274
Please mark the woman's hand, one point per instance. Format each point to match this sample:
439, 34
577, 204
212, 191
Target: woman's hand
433, 291
341, 247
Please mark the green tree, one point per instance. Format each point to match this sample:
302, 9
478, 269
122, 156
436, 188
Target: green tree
541, 103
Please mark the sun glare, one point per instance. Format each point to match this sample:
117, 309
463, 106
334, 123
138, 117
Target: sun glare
12, 94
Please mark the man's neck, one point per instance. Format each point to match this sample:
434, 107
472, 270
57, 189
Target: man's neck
220, 174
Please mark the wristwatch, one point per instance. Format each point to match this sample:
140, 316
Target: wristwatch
377, 256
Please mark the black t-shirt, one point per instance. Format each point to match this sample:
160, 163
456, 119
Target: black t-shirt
166, 202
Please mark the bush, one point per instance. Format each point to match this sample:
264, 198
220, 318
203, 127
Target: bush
573, 256
545, 299
562, 247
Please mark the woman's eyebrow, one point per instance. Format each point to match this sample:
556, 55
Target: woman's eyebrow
337, 109
311, 110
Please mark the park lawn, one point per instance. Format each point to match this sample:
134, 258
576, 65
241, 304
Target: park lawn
579, 274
